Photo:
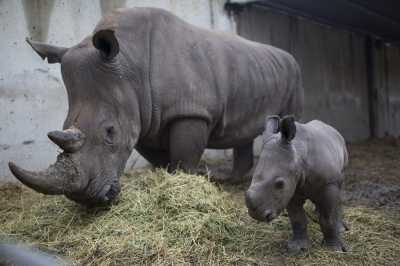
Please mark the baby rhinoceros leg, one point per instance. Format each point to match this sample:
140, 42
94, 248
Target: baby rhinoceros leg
298, 219
341, 224
329, 218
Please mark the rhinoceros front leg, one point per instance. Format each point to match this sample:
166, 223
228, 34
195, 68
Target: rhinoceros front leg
159, 159
187, 141
329, 208
298, 219
242, 164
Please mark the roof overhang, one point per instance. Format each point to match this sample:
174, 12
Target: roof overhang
380, 19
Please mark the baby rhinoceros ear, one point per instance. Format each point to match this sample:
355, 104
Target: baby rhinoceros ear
271, 125
288, 128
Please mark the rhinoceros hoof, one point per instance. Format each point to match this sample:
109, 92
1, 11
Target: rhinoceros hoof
296, 246
336, 245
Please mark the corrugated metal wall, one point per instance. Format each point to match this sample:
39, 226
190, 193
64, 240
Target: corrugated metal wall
334, 67
392, 58
385, 89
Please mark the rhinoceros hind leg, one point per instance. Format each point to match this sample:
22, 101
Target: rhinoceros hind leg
329, 208
242, 164
187, 140
159, 159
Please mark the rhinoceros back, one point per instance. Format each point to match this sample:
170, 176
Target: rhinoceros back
229, 82
327, 152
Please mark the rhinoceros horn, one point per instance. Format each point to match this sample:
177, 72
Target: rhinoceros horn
63, 175
46, 182
70, 140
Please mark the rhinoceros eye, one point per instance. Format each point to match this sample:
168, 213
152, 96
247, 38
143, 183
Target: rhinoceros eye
279, 183
110, 135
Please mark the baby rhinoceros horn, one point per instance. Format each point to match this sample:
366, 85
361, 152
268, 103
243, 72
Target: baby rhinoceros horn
70, 140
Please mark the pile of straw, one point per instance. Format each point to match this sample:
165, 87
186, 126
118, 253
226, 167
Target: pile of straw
183, 219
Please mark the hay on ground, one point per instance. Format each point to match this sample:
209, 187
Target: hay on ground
183, 219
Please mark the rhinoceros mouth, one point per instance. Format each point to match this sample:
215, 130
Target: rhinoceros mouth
263, 215
94, 196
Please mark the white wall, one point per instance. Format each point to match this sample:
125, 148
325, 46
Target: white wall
32, 95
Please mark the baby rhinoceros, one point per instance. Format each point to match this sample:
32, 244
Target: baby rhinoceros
300, 162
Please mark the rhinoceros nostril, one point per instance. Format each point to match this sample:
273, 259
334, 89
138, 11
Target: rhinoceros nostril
269, 215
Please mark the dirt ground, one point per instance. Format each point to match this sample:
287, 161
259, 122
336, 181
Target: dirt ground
373, 176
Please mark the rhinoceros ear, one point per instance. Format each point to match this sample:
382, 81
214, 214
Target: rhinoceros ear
106, 42
53, 53
271, 125
288, 128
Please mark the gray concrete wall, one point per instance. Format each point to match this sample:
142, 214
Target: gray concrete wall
32, 95
333, 65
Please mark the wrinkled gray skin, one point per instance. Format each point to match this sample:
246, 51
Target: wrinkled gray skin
299, 162
145, 79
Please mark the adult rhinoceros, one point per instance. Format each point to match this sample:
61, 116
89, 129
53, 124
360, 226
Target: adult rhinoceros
146, 79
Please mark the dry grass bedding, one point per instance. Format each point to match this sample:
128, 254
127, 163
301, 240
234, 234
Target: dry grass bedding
183, 219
